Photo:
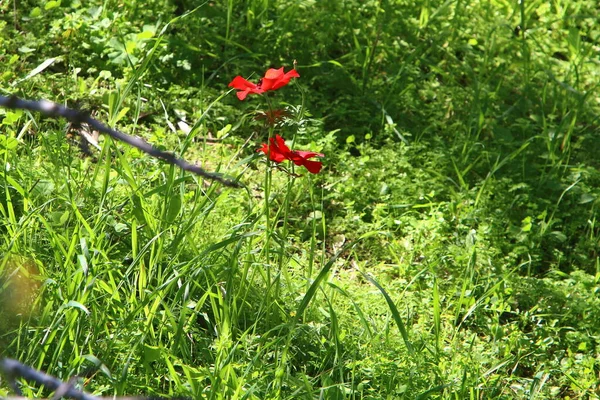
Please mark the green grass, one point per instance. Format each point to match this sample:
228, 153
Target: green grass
448, 250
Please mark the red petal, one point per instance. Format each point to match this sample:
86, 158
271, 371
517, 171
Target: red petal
292, 74
267, 84
276, 155
282, 146
242, 95
308, 154
275, 78
272, 152
273, 73
284, 79
241, 84
314, 167
264, 148
278, 151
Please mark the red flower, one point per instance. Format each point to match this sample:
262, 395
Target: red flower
278, 151
273, 80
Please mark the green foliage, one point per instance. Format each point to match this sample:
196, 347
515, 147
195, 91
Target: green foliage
449, 248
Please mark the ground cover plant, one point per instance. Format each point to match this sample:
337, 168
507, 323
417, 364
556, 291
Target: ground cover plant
418, 217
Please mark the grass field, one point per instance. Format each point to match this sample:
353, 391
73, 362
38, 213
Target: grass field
448, 249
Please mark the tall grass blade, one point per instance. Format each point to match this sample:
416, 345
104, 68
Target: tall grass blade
393, 309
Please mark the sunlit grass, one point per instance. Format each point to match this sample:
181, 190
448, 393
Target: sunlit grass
449, 248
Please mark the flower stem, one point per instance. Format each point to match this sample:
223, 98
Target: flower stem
268, 227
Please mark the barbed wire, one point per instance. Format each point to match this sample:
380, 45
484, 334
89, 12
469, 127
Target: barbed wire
13, 370
77, 117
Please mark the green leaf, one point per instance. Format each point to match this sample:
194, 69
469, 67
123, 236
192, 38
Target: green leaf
76, 304
526, 224
95, 12
120, 227
8, 143
558, 235
151, 353
59, 218
52, 4
13, 183
94, 360
35, 12
38, 69
11, 117
224, 131
121, 114
25, 49
145, 35
13, 59
174, 208
64, 218
105, 75
586, 198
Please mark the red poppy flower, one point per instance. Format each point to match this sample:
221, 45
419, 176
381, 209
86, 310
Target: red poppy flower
273, 80
278, 151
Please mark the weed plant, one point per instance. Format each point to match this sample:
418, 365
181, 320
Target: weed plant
448, 249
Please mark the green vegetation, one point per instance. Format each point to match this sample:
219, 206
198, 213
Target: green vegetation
449, 249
